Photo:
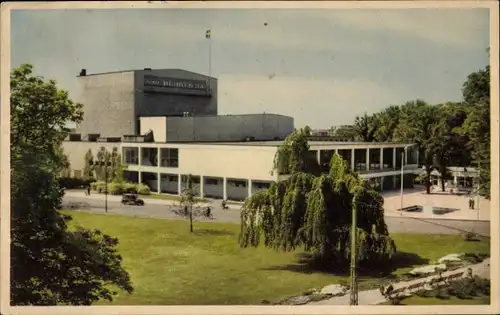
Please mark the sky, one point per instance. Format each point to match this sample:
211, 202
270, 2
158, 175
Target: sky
323, 67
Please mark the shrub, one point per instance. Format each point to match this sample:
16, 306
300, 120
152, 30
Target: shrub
469, 237
101, 187
95, 184
129, 188
469, 287
143, 189
474, 258
115, 188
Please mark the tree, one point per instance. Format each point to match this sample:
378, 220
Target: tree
387, 122
476, 94
345, 132
188, 202
365, 129
307, 130
419, 123
314, 212
294, 156
88, 168
50, 264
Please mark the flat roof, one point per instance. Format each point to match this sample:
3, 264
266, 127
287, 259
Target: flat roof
311, 143
134, 70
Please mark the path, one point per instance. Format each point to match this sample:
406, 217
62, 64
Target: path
374, 297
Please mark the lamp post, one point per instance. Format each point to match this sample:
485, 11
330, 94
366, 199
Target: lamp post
354, 253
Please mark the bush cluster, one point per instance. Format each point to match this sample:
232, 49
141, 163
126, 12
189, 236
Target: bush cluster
465, 288
74, 182
115, 188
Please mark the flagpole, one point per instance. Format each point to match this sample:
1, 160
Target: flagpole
209, 37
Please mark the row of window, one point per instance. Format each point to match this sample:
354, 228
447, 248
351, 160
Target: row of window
169, 157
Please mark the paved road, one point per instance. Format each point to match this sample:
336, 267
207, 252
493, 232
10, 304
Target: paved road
395, 224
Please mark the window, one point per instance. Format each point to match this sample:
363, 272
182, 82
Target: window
212, 181
130, 155
169, 157
239, 183
149, 157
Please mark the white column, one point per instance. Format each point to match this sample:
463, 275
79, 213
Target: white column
139, 177
382, 183
455, 180
394, 158
224, 188
381, 158
406, 156
250, 187
352, 159
158, 157
318, 156
179, 184
367, 159
140, 156
202, 185
158, 182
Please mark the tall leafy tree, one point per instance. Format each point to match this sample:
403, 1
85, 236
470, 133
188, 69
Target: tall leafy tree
88, 168
365, 128
50, 264
345, 132
387, 122
476, 94
419, 123
314, 212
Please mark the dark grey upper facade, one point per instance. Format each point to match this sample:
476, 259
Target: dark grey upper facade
114, 101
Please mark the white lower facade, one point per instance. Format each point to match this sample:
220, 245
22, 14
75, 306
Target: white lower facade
234, 172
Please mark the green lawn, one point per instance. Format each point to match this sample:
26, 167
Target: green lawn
416, 300
167, 197
168, 265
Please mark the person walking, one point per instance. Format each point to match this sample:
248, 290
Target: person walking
88, 190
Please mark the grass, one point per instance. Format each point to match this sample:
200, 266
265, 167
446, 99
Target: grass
168, 265
168, 197
416, 300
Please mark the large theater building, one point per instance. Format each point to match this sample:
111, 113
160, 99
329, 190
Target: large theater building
166, 128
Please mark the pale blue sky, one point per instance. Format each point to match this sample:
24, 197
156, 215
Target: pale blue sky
323, 67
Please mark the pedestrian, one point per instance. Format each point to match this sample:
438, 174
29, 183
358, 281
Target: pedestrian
88, 190
472, 204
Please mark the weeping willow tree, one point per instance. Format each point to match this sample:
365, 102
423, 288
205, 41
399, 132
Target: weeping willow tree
314, 211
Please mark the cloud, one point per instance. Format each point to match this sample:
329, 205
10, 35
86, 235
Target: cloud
308, 100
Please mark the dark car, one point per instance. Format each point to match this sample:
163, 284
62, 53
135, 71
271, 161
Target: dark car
132, 199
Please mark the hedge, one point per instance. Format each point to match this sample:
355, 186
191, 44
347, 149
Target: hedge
115, 188
74, 182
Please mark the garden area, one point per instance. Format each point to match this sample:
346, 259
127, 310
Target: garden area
170, 265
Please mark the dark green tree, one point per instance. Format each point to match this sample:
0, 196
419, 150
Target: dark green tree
345, 132
476, 94
419, 124
387, 122
314, 212
50, 264
365, 128
88, 168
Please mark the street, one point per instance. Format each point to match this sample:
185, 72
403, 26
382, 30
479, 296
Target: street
164, 211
